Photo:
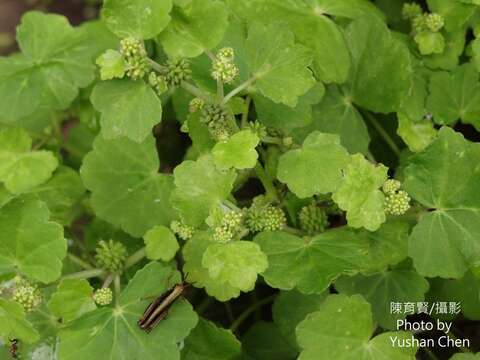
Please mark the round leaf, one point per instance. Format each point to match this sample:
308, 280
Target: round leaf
238, 151
236, 263
160, 243
127, 190
129, 108
316, 168
29, 242
143, 19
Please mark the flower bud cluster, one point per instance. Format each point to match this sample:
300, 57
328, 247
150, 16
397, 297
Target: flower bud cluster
224, 68
182, 230
135, 56
110, 255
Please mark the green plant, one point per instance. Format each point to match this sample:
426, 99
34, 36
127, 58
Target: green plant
266, 152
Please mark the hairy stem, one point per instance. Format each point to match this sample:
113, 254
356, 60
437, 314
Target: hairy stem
272, 140
381, 131
244, 122
204, 305
267, 183
135, 258
293, 231
86, 274
117, 287
107, 281
193, 90
230, 315
82, 263
157, 67
220, 93
238, 89
244, 315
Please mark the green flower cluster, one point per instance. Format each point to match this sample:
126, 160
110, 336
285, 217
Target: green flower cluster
231, 226
434, 22
135, 57
196, 104
263, 216
103, 296
110, 255
313, 219
425, 29
258, 128
217, 119
178, 71
397, 202
224, 68
26, 294
411, 10
183, 231
391, 186
158, 83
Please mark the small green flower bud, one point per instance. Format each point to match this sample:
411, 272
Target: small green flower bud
178, 71
411, 11
213, 113
103, 296
158, 83
135, 57
132, 48
184, 128
313, 219
26, 294
196, 104
287, 141
226, 53
397, 203
391, 186
419, 24
224, 70
220, 130
434, 22
222, 235
274, 219
111, 255
231, 226
258, 128
182, 230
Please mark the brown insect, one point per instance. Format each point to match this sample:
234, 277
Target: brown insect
158, 309
14, 348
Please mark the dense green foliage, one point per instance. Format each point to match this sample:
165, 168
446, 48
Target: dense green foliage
319, 155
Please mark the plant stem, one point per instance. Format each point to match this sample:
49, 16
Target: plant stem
293, 231
204, 305
85, 274
117, 287
220, 93
157, 67
192, 89
244, 122
135, 258
230, 315
238, 89
210, 55
107, 281
243, 316
267, 183
385, 135
272, 140
370, 156
82, 263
